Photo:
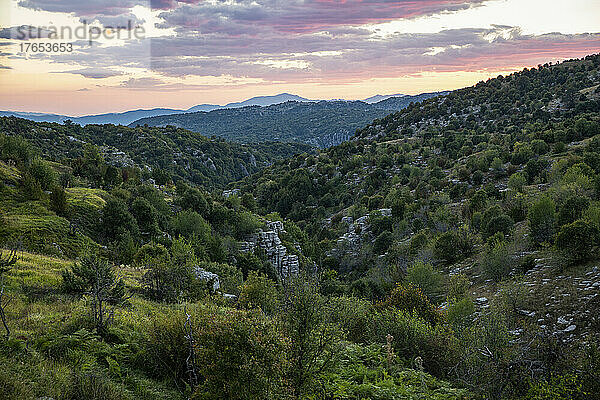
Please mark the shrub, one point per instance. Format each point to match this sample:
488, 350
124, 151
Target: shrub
496, 262
427, 279
249, 261
411, 299
418, 242
96, 278
230, 277
58, 200
478, 201
535, 168
542, 220
558, 387
164, 348
460, 310
572, 209
43, 173
499, 224
382, 242
353, 317
453, 246
414, 337
517, 182
146, 217
313, 341
458, 287
31, 187
15, 148
116, 220
239, 356
190, 223
259, 291
576, 240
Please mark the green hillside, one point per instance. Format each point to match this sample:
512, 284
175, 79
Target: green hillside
447, 251
492, 189
161, 153
321, 124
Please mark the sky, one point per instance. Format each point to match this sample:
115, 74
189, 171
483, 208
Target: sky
119, 55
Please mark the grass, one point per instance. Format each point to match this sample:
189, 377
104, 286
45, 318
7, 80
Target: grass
40, 230
44, 358
9, 174
85, 197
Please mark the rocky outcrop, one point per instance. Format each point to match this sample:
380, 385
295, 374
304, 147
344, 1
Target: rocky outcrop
232, 192
356, 232
285, 264
210, 164
211, 278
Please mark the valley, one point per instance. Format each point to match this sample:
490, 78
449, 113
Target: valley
444, 247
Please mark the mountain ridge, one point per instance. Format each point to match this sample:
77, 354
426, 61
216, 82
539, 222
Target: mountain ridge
130, 116
319, 123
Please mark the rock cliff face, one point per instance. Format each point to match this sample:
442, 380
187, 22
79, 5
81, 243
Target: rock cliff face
285, 264
357, 231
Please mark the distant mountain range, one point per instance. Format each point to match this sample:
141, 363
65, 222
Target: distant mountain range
284, 117
262, 101
318, 123
378, 97
127, 117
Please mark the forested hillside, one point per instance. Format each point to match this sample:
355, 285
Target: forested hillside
487, 200
125, 289
161, 153
321, 124
447, 251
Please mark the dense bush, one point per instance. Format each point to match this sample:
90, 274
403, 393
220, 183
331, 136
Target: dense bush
260, 292
427, 279
411, 299
572, 209
577, 239
496, 261
43, 173
542, 220
414, 337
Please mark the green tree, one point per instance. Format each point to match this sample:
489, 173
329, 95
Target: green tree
240, 356
382, 242
542, 219
190, 223
452, 246
577, 240
423, 276
496, 261
258, 291
58, 200
249, 202
314, 342
94, 277
112, 176
145, 216
116, 220
572, 209
169, 278
250, 261
411, 299
517, 182
499, 223
458, 287
43, 173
